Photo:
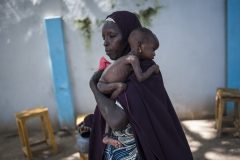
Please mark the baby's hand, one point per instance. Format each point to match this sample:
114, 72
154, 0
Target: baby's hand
156, 69
133, 53
122, 86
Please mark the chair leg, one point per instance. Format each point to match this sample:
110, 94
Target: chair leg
44, 128
50, 132
216, 110
236, 114
24, 134
220, 118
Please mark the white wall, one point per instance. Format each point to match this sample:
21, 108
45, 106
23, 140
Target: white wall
192, 53
25, 74
191, 56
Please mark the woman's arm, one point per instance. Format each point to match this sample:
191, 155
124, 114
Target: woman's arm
115, 116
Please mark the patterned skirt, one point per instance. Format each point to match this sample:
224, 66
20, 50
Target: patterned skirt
128, 151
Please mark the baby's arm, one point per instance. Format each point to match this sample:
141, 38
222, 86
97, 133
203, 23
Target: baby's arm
141, 76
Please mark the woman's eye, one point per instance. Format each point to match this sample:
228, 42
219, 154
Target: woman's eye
112, 35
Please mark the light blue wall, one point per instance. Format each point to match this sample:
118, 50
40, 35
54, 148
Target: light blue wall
233, 43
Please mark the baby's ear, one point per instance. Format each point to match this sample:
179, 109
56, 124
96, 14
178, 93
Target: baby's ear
139, 45
139, 49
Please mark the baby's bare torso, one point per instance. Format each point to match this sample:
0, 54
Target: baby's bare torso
118, 71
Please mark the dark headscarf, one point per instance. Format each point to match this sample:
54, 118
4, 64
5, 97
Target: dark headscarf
127, 22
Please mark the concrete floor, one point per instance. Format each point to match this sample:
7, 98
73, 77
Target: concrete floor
205, 145
200, 134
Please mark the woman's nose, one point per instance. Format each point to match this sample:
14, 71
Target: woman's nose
106, 42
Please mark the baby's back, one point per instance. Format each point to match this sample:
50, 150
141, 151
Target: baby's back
118, 71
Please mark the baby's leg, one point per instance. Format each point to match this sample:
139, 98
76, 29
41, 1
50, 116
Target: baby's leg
111, 88
109, 140
121, 87
106, 88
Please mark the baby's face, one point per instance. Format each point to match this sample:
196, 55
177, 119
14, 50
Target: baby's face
148, 49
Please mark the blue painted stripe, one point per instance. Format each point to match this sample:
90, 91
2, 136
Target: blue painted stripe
60, 72
233, 43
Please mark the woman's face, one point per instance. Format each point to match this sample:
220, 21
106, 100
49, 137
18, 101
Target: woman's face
112, 37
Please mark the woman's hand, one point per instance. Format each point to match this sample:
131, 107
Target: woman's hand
114, 116
84, 130
94, 80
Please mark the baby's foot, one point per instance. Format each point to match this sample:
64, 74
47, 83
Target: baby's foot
111, 141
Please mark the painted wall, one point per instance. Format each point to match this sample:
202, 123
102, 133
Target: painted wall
191, 56
192, 53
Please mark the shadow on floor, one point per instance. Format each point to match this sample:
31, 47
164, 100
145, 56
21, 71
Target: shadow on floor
205, 144
201, 136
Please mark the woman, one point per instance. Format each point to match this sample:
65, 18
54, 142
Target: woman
142, 118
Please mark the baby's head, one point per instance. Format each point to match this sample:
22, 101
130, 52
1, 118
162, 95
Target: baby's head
143, 42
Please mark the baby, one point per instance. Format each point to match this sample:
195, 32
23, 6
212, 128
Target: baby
143, 44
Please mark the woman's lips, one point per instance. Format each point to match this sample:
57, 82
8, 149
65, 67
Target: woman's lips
107, 51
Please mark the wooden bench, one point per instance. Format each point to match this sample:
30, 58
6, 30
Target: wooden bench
224, 95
